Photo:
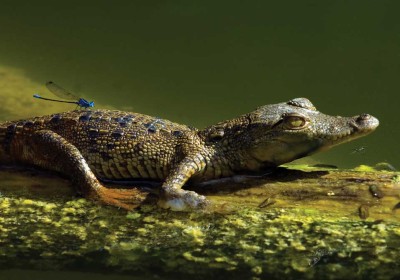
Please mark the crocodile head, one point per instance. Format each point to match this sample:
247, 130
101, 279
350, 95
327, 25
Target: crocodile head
280, 133
287, 131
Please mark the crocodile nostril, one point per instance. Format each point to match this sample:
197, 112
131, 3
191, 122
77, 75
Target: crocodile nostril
363, 117
364, 122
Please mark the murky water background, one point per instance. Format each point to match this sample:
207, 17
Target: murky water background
201, 62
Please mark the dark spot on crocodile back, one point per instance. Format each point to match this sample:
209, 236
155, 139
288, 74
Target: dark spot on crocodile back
118, 119
85, 118
123, 123
55, 118
95, 119
117, 134
150, 127
110, 146
177, 133
129, 118
156, 124
93, 132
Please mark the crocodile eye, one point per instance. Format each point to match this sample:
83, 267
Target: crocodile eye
295, 122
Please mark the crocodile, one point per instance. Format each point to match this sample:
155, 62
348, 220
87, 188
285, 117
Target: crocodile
93, 147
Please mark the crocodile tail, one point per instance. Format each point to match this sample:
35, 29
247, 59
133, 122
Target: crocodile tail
7, 132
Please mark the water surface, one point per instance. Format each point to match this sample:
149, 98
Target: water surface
202, 62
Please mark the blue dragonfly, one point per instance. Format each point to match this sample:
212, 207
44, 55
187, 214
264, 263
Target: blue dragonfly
62, 93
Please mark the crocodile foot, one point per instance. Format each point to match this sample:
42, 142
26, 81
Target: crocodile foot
180, 200
123, 198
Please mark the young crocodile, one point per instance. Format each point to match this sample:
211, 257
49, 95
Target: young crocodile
103, 145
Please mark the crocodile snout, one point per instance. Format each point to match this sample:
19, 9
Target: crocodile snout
365, 122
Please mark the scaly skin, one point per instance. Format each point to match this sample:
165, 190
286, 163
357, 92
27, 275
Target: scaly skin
103, 145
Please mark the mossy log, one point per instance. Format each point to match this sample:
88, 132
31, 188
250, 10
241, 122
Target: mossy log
299, 221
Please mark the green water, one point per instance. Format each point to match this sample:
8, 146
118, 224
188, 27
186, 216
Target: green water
199, 62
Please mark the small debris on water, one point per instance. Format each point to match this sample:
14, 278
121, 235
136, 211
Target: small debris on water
360, 150
266, 202
384, 166
363, 212
375, 191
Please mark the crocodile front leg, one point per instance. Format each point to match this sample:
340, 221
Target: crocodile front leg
172, 196
49, 150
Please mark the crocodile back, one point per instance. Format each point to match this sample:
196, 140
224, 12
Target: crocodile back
117, 145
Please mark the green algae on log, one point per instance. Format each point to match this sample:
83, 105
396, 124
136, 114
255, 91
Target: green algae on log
297, 222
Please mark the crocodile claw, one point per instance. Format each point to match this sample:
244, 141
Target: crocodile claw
183, 201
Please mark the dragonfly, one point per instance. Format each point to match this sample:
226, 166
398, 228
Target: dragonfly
62, 93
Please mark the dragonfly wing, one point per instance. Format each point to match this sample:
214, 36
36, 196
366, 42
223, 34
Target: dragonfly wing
60, 92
